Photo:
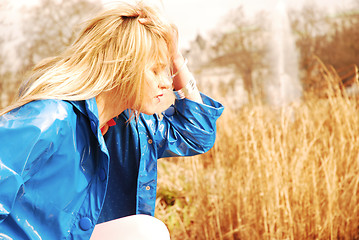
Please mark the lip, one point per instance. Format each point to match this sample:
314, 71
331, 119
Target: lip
158, 97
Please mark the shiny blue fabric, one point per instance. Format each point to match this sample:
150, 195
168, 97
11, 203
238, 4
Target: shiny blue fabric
55, 170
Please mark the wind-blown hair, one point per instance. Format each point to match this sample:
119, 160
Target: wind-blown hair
112, 51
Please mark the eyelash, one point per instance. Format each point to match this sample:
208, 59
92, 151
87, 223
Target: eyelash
158, 72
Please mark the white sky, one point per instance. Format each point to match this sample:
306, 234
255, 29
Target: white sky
200, 16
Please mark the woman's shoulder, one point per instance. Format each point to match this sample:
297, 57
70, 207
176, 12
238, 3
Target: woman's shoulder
45, 108
41, 113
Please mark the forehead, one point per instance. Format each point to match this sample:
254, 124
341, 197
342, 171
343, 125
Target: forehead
159, 62
159, 53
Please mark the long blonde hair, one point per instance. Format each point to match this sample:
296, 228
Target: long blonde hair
111, 51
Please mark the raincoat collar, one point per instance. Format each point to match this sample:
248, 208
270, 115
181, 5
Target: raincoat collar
87, 107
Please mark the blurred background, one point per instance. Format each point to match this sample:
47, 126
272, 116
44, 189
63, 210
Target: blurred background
232, 45
286, 160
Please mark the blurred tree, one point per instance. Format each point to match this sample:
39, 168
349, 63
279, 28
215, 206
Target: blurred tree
241, 44
332, 38
48, 27
341, 47
4, 37
2, 40
3, 9
307, 24
241, 47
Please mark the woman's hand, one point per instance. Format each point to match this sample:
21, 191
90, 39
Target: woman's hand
178, 64
173, 45
180, 69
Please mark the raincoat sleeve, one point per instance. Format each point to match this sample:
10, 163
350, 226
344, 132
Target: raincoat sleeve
25, 144
188, 128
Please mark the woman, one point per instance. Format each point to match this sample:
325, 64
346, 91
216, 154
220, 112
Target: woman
79, 148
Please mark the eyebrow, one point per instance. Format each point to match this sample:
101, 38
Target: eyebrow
160, 66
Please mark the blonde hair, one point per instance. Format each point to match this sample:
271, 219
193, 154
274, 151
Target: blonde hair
112, 50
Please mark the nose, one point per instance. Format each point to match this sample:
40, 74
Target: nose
165, 83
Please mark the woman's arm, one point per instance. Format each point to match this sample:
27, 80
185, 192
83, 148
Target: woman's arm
183, 77
26, 142
188, 127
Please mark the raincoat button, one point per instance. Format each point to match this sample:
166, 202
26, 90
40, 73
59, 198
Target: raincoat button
102, 174
170, 111
148, 188
85, 223
150, 141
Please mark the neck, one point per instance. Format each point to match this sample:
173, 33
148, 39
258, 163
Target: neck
108, 107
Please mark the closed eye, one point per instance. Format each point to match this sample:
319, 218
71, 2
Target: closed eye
158, 69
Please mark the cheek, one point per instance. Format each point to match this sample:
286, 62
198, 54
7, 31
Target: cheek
151, 86
147, 89
167, 100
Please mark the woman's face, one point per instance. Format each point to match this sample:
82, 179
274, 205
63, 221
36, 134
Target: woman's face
158, 94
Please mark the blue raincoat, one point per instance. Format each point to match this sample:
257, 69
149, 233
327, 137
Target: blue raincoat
59, 176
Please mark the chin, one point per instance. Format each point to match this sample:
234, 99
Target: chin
167, 100
155, 106
158, 108
149, 109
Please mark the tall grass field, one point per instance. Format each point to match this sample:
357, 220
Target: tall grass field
274, 173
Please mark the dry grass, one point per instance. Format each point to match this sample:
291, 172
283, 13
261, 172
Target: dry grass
290, 173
